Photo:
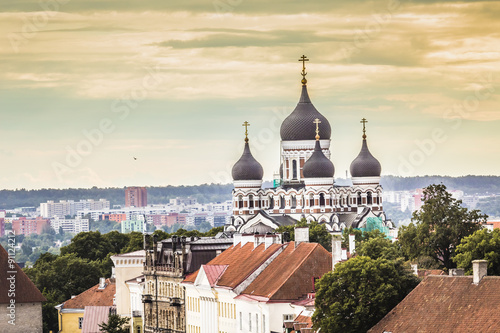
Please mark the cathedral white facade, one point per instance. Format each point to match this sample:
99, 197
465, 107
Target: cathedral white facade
307, 188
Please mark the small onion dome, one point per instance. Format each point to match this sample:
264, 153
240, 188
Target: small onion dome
247, 167
299, 124
365, 165
318, 165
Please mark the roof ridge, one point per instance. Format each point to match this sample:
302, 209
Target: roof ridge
295, 267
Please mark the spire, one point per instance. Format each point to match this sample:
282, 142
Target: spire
364, 121
317, 122
246, 124
304, 73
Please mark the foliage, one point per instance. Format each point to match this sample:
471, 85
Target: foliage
115, 324
483, 244
438, 227
104, 226
359, 292
59, 277
490, 206
378, 247
214, 231
135, 243
91, 245
317, 232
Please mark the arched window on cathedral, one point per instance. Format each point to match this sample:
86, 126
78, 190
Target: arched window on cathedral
250, 203
359, 198
348, 200
369, 198
282, 202
240, 202
311, 200
294, 169
322, 200
294, 202
271, 202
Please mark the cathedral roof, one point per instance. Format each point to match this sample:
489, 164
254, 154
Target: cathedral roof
365, 165
299, 124
318, 165
247, 167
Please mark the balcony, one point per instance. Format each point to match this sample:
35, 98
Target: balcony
175, 301
137, 313
147, 298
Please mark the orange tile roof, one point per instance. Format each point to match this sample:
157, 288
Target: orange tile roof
447, 304
93, 297
25, 290
213, 272
241, 262
290, 275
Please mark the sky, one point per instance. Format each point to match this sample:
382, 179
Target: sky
113, 93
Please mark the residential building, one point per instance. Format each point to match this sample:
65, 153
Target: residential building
136, 197
490, 225
137, 224
71, 314
251, 286
136, 291
64, 208
73, 226
113, 217
20, 300
126, 266
27, 226
448, 304
167, 263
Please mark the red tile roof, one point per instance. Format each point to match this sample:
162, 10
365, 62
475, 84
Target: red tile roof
290, 275
241, 262
93, 297
25, 289
425, 272
447, 304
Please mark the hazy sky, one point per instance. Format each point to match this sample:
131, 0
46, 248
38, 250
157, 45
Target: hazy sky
87, 85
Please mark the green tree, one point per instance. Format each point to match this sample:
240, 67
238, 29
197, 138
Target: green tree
136, 242
91, 245
60, 277
359, 292
483, 244
378, 247
317, 232
117, 240
214, 231
115, 324
439, 226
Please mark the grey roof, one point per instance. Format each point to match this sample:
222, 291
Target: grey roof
318, 165
365, 165
247, 167
299, 124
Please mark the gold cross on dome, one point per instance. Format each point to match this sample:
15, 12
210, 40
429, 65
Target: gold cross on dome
304, 73
246, 124
317, 122
364, 121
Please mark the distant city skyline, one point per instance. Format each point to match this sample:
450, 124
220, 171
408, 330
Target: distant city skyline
115, 94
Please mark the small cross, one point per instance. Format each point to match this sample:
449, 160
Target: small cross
246, 124
364, 121
317, 122
304, 73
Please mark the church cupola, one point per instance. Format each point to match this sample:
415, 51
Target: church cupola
318, 166
247, 172
365, 168
299, 124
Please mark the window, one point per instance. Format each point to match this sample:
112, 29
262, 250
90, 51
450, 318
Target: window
256, 322
294, 167
250, 204
263, 323
359, 198
80, 322
294, 202
282, 202
287, 317
241, 321
322, 200
249, 322
369, 198
240, 202
311, 200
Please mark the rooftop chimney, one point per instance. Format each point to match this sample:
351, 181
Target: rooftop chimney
479, 270
301, 235
352, 244
102, 283
336, 251
414, 269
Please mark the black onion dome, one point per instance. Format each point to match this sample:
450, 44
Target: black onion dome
247, 167
365, 165
318, 165
300, 123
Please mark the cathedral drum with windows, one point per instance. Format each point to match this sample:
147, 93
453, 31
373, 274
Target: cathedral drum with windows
306, 188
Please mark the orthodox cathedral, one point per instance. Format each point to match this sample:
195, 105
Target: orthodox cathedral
307, 187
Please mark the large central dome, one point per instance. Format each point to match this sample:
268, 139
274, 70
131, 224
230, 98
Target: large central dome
300, 123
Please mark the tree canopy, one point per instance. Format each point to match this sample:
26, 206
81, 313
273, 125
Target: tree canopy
438, 227
115, 324
483, 244
360, 292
